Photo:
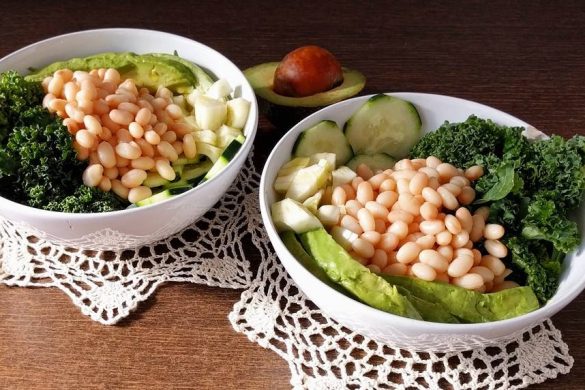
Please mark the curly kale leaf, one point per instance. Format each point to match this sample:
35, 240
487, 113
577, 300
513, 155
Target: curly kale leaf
467, 143
555, 171
86, 200
536, 266
16, 95
545, 222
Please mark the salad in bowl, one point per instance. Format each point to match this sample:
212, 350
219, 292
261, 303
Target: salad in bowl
117, 131
427, 221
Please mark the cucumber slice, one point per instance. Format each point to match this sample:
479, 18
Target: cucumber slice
227, 155
376, 162
288, 214
237, 112
163, 195
209, 113
342, 175
325, 136
384, 124
213, 152
308, 181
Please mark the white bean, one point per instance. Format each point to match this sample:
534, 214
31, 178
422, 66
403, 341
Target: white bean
460, 266
133, 178
408, 252
496, 248
139, 193
93, 175
493, 231
424, 271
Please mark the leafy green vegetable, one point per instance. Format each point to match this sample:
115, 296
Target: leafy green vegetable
545, 222
529, 186
16, 95
467, 143
499, 184
38, 165
540, 270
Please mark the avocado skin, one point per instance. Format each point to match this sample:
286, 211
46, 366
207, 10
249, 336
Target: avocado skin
147, 70
341, 268
471, 306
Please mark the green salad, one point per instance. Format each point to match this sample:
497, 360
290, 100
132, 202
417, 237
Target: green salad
469, 223
114, 130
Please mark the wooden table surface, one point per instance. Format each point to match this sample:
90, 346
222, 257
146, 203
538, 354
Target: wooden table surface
527, 59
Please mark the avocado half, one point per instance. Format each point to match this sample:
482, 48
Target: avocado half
285, 111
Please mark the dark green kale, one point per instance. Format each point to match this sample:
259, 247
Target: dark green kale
535, 265
16, 96
38, 165
530, 187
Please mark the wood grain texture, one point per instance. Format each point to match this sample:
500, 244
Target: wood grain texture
525, 58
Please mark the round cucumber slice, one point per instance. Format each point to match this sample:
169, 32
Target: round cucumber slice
384, 124
324, 137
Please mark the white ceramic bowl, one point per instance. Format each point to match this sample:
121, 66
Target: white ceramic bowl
132, 227
388, 328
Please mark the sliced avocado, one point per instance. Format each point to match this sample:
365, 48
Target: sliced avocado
149, 70
470, 306
365, 285
285, 111
204, 78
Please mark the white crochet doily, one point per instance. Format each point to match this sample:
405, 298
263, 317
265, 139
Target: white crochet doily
323, 354
108, 285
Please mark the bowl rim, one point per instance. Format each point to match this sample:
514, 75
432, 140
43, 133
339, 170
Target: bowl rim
542, 312
245, 148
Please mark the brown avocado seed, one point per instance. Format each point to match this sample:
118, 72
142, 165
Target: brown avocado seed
306, 71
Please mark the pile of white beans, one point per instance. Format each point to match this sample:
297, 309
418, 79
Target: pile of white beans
124, 131
411, 220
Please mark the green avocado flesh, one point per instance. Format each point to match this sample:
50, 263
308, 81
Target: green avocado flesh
285, 111
471, 306
261, 78
405, 296
148, 70
341, 268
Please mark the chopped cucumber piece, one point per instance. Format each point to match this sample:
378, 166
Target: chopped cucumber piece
154, 180
219, 90
205, 136
193, 172
282, 183
325, 136
342, 175
163, 195
288, 214
227, 155
329, 157
308, 181
213, 152
210, 113
312, 203
384, 124
293, 166
378, 161
237, 112
187, 161
226, 134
